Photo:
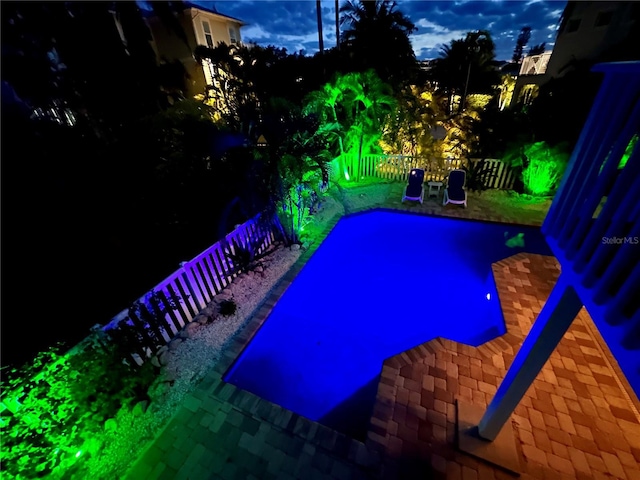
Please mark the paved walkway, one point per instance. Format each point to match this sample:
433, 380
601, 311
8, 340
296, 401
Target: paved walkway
575, 422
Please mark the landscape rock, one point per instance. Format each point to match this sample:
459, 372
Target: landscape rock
168, 375
175, 343
210, 310
164, 358
221, 297
191, 329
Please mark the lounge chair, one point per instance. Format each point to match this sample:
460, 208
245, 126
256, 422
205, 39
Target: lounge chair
454, 191
414, 190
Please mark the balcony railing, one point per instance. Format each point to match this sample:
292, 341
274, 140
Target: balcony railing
535, 64
593, 225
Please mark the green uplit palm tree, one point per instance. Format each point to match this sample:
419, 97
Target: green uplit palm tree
354, 109
323, 104
369, 101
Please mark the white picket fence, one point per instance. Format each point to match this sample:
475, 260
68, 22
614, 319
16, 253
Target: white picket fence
497, 175
164, 310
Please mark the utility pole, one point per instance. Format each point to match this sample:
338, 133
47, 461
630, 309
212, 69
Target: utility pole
320, 39
473, 53
337, 26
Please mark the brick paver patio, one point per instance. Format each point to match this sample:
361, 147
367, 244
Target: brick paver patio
576, 420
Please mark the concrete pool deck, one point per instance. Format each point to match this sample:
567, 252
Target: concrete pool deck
576, 421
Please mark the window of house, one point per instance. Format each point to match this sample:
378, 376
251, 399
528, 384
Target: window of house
232, 35
573, 25
603, 18
207, 33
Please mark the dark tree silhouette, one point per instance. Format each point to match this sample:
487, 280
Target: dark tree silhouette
537, 49
377, 36
523, 39
465, 66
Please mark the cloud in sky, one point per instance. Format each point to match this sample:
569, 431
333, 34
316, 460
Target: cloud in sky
292, 24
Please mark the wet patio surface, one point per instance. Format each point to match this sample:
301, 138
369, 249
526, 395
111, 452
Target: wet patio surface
577, 420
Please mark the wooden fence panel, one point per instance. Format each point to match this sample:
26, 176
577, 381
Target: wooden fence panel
397, 167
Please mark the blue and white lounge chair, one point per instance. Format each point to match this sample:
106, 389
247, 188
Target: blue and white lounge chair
454, 191
414, 190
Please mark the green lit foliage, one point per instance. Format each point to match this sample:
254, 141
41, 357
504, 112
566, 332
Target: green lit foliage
355, 107
303, 174
542, 166
324, 104
367, 105
628, 151
57, 407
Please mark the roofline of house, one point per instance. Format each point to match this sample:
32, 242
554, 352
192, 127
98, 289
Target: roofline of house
212, 12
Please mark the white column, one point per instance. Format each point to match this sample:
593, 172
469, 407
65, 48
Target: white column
559, 311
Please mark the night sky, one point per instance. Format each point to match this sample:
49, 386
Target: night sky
292, 24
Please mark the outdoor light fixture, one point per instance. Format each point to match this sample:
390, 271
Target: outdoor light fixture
262, 142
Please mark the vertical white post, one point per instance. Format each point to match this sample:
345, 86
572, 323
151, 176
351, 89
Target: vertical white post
559, 311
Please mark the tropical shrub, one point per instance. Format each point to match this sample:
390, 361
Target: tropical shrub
56, 408
228, 308
542, 166
479, 172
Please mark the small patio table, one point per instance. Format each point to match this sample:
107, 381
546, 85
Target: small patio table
434, 188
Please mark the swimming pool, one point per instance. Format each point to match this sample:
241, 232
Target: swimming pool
381, 283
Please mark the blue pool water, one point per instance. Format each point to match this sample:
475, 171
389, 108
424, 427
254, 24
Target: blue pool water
381, 283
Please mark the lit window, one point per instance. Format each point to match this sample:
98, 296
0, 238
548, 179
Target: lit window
603, 19
207, 33
573, 25
232, 35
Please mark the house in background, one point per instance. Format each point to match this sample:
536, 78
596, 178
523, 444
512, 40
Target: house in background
202, 27
590, 32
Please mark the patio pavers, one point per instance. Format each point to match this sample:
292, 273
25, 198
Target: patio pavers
576, 421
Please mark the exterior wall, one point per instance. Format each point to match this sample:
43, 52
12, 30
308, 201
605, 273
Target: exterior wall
170, 47
587, 42
219, 27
